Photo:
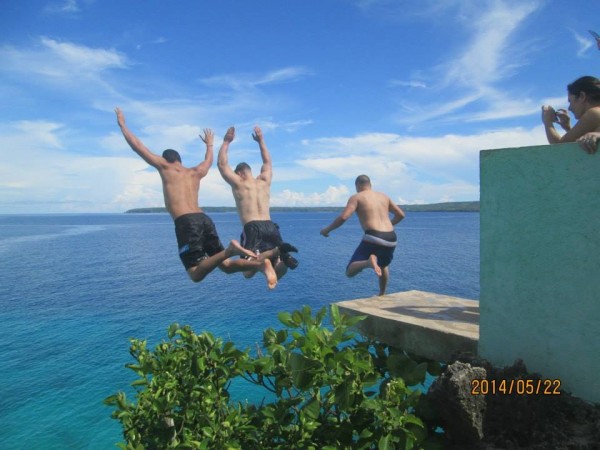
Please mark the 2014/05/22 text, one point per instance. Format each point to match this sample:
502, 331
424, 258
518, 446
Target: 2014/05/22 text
482, 386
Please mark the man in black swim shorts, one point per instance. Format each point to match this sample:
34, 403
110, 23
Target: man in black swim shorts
376, 249
200, 249
261, 235
197, 238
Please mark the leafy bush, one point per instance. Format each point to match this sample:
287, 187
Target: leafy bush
330, 390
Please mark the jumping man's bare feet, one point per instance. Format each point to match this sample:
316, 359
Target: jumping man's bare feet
235, 249
374, 265
270, 275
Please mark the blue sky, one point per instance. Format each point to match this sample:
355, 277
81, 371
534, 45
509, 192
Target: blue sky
407, 92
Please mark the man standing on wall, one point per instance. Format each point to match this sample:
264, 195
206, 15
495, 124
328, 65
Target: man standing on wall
376, 249
200, 249
252, 199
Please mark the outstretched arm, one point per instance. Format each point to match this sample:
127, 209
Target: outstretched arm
266, 170
397, 212
136, 144
222, 161
204, 166
341, 219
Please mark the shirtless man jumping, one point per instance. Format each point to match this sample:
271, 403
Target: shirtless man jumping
376, 249
200, 249
252, 195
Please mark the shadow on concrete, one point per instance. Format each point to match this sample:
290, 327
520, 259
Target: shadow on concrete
466, 314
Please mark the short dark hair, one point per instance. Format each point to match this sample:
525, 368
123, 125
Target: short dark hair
171, 155
241, 167
362, 180
589, 85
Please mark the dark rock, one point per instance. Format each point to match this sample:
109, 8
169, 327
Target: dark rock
460, 411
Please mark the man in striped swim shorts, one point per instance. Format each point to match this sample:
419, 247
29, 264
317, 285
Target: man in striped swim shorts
376, 249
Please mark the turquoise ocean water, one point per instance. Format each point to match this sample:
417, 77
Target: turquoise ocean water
75, 288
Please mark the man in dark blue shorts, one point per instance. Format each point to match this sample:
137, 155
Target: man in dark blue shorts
252, 194
376, 249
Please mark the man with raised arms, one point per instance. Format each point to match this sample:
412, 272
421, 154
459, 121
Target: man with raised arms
376, 250
252, 197
200, 249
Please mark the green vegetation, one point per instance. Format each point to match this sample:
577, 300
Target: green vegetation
432, 207
329, 389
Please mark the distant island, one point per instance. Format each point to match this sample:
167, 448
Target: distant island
432, 207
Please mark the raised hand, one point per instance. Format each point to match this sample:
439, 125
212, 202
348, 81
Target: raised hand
230, 135
257, 135
208, 137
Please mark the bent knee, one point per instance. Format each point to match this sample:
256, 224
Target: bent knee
225, 266
196, 278
194, 275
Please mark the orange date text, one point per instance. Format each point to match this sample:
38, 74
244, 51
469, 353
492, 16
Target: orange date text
481, 386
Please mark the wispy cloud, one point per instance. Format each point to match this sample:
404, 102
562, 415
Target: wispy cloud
66, 6
473, 79
61, 60
409, 83
158, 41
246, 81
584, 43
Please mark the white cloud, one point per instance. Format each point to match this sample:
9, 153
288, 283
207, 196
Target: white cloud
61, 60
333, 196
472, 78
247, 81
66, 6
584, 43
410, 83
270, 125
39, 171
491, 55
414, 169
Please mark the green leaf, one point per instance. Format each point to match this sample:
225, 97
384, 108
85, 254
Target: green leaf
173, 328
384, 443
286, 319
110, 400
400, 365
312, 408
301, 376
366, 433
335, 315
281, 336
320, 316
434, 368
351, 321
342, 394
307, 314
416, 375
297, 318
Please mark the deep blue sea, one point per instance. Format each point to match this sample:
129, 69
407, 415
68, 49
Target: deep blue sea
75, 288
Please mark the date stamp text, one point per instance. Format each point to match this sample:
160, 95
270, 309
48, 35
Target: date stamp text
482, 386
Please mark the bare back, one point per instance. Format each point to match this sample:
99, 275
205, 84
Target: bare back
180, 188
252, 197
373, 210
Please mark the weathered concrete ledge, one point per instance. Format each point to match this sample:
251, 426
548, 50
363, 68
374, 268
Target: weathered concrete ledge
431, 325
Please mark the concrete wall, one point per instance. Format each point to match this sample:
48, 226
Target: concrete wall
540, 263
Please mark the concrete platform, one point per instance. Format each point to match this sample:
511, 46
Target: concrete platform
430, 325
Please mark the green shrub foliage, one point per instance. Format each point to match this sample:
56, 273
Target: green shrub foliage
327, 389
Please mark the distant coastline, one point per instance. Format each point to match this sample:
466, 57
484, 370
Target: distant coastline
431, 207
